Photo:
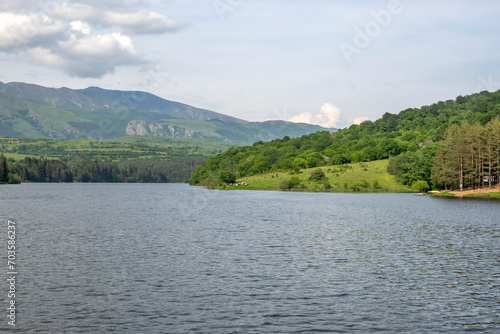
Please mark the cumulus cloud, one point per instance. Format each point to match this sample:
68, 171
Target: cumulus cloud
142, 22
113, 3
82, 39
359, 120
328, 116
137, 22
91, 56
74, 11
21, 31
81, 27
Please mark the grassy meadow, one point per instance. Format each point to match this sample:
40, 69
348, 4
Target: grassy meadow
358, 177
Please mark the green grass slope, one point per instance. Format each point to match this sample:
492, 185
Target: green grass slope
358, 177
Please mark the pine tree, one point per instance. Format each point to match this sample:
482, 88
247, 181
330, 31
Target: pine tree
4, 171
490, 154
442, 173
450, 163
495, 141
458, 153
474, 138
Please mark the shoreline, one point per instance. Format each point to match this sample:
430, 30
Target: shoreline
493, 192
312, 191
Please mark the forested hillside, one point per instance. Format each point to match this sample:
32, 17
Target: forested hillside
410, 139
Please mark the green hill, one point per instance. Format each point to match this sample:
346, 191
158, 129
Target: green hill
360, 177
410, 139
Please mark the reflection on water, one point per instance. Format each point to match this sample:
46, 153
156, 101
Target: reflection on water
163, 258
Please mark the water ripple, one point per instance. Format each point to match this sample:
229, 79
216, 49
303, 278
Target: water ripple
132, 258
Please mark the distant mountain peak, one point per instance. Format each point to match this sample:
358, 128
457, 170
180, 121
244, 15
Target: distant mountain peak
99, 113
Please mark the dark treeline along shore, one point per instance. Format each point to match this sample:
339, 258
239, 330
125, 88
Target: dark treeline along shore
85, 170
126, 159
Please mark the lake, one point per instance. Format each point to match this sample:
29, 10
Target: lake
170, 258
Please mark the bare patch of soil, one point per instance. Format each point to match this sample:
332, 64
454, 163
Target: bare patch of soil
476, 191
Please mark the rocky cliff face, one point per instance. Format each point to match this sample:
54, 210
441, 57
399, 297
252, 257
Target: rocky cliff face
136, 128
141, 128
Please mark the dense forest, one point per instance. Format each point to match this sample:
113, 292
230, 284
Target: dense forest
413, 140
85, 170
469, 156
5, 175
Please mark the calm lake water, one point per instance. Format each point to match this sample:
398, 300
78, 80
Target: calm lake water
169, 258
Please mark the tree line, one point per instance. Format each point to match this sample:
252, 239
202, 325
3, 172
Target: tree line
468, 157
82, 169
5, 175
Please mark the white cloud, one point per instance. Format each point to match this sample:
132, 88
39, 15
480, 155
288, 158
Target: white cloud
75, 11
113, 3
305, 117
46, 57
359, 120
142, 22
20, 31
91, 56
81, 27
134, 22
328, 116
99, 45
82, 39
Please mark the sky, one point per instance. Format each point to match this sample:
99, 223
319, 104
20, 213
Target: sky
326, 62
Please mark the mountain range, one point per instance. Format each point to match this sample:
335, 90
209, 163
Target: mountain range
33, 111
